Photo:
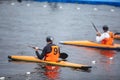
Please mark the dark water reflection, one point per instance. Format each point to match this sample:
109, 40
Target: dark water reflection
28, 23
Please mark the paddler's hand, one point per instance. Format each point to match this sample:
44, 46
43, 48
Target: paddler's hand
36, 48
98, 34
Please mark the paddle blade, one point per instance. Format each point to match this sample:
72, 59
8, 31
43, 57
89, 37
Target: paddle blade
117, 33
63, 55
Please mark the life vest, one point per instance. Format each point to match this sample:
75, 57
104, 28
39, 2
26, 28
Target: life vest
53, 55
108, 41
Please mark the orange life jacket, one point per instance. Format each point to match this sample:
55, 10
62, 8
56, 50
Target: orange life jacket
108, 41
53, 55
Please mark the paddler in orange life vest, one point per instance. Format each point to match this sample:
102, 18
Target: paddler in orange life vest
50, 52
106, 37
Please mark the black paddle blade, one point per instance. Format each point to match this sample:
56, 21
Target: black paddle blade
117, 33
63, 55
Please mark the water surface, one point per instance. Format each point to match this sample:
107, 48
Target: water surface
28, 23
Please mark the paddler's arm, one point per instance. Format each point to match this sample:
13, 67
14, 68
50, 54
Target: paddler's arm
98, 35
38, 54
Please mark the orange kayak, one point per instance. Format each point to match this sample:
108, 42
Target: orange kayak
59, 63
91, 44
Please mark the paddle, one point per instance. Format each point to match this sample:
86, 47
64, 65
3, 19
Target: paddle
94, 27
117, 33
62, 55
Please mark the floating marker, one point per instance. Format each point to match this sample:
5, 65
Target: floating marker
28, 5
28, 73
44, 6
60, 7
12, 3
95, 9
93, 62
112, 10
78, 8
2, 78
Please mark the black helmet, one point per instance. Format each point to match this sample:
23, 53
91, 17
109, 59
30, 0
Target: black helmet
49, 39
105, 28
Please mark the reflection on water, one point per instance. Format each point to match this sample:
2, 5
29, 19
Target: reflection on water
109, 54
49, 71
88, 70
52, 72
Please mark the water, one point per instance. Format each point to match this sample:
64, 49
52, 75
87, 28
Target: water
28, 23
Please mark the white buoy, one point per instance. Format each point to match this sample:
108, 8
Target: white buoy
78, 8
12, 4
28, 5
95, 9
60, 7
28, 73
44, 6
112, 10
93, 62
2, 78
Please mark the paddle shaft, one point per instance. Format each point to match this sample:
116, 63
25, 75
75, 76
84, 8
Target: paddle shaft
94, 27
117, 33
34, 48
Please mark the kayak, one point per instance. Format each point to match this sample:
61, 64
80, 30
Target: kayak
59, 63
91, 44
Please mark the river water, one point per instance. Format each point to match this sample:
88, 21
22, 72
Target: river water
28, 23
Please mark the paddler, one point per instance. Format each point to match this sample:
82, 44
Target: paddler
50, 52
106, 37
